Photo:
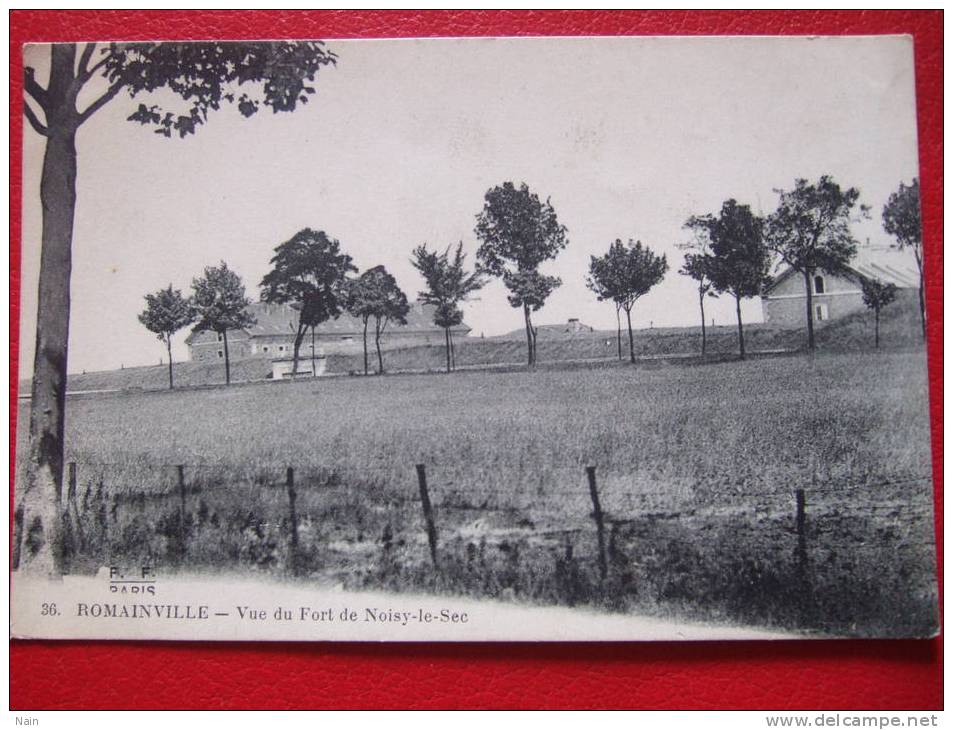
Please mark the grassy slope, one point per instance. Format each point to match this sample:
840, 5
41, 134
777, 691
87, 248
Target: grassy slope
156, 377
900, 329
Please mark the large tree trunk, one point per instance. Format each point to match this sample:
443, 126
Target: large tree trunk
453, 353
810, 309
741, 329
168, 342
628, 320
366, 366
43, 548
228, 369
530, 354
701, 306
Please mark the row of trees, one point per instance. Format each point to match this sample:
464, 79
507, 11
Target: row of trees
729, 253
312, 274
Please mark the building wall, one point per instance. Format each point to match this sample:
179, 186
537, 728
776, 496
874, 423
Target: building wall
206, 346
785, 305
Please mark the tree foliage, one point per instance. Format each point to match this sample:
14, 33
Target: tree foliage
166, 312
448, 285
375, 294
218, 297
877, 295
207, 75
901, 219
220, 305
308, 271
625, 274
737, 259
203, 75
519, 233
810, 231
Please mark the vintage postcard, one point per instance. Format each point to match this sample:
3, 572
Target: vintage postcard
473, 339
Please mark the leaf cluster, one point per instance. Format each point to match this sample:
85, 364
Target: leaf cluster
810, 230
877, 294
309, 271
166, 312
375, 293
447, 280
518, 233
219, 301
625, 273
737, 259
901, 216
207, 75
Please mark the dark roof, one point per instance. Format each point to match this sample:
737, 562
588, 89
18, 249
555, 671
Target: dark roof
282, 319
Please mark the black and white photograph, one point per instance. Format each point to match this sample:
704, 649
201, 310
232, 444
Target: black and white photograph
473, 339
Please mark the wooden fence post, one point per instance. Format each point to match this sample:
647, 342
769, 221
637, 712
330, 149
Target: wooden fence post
800, 528
600, 524
181, 471
183, 537
293, 517
428, 512
71, 481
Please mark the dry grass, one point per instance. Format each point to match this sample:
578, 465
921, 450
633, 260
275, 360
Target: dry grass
697, 465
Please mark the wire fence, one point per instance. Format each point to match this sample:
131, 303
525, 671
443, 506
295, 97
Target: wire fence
291, 519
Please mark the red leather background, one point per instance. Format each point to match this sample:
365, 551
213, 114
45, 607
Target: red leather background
793, 675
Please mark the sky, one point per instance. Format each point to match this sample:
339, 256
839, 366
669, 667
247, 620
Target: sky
627, 137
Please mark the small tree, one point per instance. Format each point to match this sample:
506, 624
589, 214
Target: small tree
309, 272
695, 266
519, 233
220, 305
376, 294
603, 279
901, 218
810, 231
738, 263
166, 312
877, 295
625, 274
448, 285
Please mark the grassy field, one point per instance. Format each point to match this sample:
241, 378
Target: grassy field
697, 466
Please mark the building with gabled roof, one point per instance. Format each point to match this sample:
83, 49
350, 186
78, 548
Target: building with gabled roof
784, 301
272, 335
